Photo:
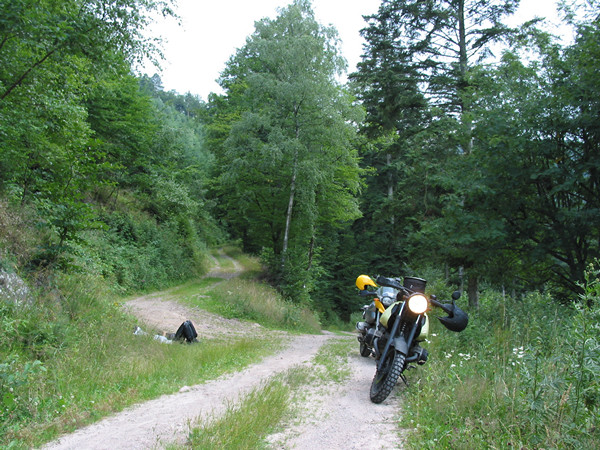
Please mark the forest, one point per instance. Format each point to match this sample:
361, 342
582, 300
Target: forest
461, 150
459, 145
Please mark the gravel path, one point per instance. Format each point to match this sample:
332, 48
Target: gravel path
336, 416
155, 423
343, 418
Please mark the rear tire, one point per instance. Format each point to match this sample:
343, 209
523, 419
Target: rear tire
386, 378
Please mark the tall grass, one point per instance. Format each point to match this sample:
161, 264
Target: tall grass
522, 375
257, 302
70, 357
246, 423
69, 360
252, 266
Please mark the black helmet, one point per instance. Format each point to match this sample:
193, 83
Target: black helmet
456, 320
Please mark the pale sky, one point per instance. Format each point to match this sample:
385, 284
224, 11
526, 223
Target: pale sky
211, 31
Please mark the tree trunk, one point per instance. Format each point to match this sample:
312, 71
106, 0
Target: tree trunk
311, 252
473, 291
390, 185
288, 217
465, 103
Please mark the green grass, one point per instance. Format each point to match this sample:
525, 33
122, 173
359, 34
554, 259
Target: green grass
223, 263
247, 422
66, 365
70, 360
252, 301
245, 298
333, 359
522, 375
252, 266
193, 288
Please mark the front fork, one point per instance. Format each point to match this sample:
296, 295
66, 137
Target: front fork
400, 344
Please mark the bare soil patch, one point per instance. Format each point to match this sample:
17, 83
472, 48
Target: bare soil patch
338, 417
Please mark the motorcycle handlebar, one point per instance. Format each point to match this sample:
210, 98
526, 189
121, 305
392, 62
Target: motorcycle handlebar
365, 293
389, 282
448, 308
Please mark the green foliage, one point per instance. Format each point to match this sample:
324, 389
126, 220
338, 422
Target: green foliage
76, 131
139, 254
245, 424
71, 358
489, 168
154, 153
13, 376
585, 398
415, 81
247, 300
48, 54
540, 169
286, 165
519, 375
494, 169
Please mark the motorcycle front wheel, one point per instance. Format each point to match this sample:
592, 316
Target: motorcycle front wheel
386, 378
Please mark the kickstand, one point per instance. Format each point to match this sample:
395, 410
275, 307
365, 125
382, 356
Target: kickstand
404, 379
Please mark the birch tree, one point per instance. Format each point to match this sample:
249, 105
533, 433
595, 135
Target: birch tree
288, 164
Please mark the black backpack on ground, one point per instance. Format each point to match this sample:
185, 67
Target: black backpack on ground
186, 331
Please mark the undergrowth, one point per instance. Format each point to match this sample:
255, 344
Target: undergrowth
69, 360
522, 375
256, 302
68, 356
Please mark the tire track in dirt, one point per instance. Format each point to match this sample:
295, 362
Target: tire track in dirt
333, 416
167, 419
342, 417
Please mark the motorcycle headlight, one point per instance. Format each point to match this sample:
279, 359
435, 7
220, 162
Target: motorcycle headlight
418, 303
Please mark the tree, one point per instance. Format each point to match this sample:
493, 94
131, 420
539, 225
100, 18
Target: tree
291, 168
49, 53
53, 57
433, 46
542, 165
387, 85
445, 38
34, 33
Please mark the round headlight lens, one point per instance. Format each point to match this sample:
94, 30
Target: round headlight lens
418, 303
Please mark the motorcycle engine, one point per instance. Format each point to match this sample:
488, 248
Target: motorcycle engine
387, 296
372, 333
370, 314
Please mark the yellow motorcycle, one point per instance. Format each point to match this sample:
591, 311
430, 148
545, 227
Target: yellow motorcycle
395, 334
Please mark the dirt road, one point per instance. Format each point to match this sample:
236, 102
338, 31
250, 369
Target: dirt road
334, 417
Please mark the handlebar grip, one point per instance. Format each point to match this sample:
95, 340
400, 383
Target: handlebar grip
365, 293
448, 308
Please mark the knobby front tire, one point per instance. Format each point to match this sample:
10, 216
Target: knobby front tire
386, 378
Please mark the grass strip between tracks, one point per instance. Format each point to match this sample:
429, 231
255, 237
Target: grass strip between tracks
247, 422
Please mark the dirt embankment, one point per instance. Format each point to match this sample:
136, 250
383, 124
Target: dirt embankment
333, 417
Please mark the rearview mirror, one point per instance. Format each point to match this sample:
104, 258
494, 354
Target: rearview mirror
455, 295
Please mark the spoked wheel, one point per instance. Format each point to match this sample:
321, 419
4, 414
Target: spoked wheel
386, 378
